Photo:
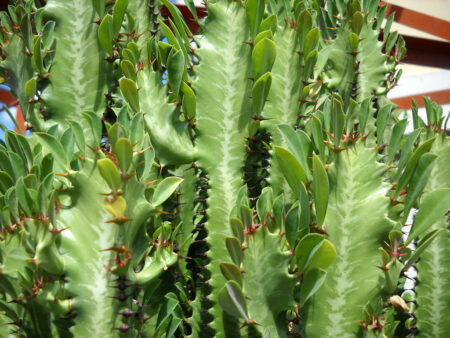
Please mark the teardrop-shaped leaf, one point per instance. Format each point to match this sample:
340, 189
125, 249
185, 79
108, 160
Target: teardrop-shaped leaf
320, 190
313, 251
232, 300
129, 90
106, 34
55, 147
124, 153
291, 168
396, 138
311, 41
116, 207
312, 281
30, 87
269, 23
310, 62
189, 101
260, 91
353, 41
255, 12
128, 69
109, 172
263, 57
119, 10
231, 272
304, 25
237, 228
292, 224
6, 181
382, 121
165, 189
433, 207
246, 215
175, 70
234, 250
264, 204
357, 22
338, 121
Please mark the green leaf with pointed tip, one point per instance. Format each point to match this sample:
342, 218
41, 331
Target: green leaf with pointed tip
292, 169
175, 70
421, 246
357, 22
311, 41
255, 12
165, 189
234, 250
53, 146
312, 281
124, 153
6, 181
106, 34
396, 138
30, 87
110, 174
129, 90
263, 57
189, 101
119, 10
269, 23
260, 91
231, 272
264, 204
418, 181
433, 207
166, 311
246, 215
382, 121
128, 69
292, 224
232, 300
320, 190
304, 26
353, 41
264, 34
406, 176
237, 228
310, 62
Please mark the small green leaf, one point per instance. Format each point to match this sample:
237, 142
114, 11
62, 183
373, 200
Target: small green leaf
189, 101
317, 134
269, 23
264, 204
357, 22
418, 181
30, 87
260, 91
391, 41
109, 172
129, 90
255, 12
313, 251
6, 181
246, 215
165, 189
433, 207
232, 300
422, 245
231, 272
320, 189
312, 282
310, 62
237, 228
175, 70
78, 136
304, 26
264, 34
128, 69
382, 121
119, 10
124, 153
353, 41
291, 168
311, 41
387, 26
292, 224
411, 165
234, 250
106, 34
263, 57
166, 311
338, 121
54, 146
396, 139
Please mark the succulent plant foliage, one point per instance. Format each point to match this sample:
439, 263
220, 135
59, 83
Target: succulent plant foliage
252, 180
